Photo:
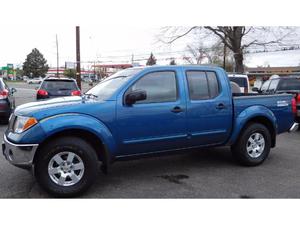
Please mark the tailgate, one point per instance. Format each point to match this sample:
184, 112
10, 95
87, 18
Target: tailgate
279, 104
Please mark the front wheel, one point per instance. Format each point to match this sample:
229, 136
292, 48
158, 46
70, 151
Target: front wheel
253, 146
66, 167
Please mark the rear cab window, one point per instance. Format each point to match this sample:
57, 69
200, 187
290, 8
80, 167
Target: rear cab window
59, 85
202, 85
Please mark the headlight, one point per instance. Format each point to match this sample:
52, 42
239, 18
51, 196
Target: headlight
23, 123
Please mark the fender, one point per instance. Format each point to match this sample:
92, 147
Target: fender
246, 115
61, 122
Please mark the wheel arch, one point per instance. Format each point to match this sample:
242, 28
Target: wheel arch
267, 123
98, 145
261, 115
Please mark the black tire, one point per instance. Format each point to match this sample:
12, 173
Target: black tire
239, 149
66, 144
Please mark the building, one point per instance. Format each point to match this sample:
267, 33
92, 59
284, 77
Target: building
260, 74
85, 74
268, 71
108, 69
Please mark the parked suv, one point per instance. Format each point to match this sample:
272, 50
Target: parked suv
7, 101
279, 85
242, 80
57, 87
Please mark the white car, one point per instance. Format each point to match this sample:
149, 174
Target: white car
242, 80
34, 81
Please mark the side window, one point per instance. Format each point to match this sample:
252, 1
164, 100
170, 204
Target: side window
213, 84
159, 86
273, 86
202, 85
265, 86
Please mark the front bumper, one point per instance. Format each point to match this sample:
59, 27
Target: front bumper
294, 127
20, 155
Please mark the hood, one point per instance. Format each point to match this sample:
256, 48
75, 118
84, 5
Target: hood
46, 108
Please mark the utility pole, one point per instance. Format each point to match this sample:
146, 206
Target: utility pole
132, 59
57, 58
78, 72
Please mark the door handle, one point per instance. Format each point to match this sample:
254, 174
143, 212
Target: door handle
220, 106
177, 109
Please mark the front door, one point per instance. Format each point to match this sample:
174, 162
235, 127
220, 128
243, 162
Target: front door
157, 123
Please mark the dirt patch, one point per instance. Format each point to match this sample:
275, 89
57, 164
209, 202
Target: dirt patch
177, 179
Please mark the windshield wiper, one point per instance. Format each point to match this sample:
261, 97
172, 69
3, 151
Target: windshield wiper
90, 95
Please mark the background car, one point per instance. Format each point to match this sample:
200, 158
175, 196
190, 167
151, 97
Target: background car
279, 85
34, 81
7, 101
52, 87
242, 80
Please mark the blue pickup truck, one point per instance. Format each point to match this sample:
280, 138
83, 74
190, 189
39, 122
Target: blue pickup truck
139, 112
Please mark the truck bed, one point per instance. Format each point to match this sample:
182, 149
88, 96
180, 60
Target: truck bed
279, 104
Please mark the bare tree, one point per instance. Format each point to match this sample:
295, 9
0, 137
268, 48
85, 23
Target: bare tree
235, 38
196, 54
211, 54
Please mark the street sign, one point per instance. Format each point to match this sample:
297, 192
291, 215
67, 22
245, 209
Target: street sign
10, 69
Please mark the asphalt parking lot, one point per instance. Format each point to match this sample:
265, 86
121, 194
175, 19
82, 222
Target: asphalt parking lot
209, 173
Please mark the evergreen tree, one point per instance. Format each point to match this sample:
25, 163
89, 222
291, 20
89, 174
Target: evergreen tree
71, 73
35, 64
151, 61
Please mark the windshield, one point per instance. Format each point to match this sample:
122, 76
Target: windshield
289, 84
107, 87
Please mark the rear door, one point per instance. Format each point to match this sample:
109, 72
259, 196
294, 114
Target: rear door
157, 123
209, 107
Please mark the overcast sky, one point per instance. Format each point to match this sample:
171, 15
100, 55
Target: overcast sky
97, 41
108, 28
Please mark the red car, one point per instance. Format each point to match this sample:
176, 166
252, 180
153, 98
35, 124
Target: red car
7, 101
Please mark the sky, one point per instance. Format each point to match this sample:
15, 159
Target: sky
97, 42
110, 28
108, 44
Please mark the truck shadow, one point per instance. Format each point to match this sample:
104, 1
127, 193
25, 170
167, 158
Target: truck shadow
173, 169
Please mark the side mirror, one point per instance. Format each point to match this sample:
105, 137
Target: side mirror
135, 96
255, 89
13, 90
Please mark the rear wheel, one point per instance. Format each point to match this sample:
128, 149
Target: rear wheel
253, 146
66, 167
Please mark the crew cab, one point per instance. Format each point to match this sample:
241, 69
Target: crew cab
139, 112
